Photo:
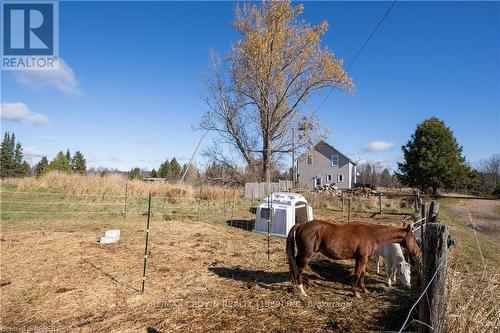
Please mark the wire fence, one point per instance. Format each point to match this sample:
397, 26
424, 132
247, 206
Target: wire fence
27, 204
50, 204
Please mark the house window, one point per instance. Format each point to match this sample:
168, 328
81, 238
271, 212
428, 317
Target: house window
340, 178
329, 178
309, 160
335, 160
317, 181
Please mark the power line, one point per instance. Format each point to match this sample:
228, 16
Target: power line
358, 53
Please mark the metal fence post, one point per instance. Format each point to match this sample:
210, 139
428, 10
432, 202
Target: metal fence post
199, 202
269, 220
349, 210
146, 244
232, 209
126, 196
224, 202
380, 203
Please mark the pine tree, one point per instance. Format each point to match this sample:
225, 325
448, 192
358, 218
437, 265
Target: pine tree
7, 156
41, 167
11, 158
78, 163
154, 174
433, 158
175, 170
68, 155
24, 169
19, 169
164, 170
60, 163
135, 173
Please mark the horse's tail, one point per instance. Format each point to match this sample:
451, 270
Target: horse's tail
290, 254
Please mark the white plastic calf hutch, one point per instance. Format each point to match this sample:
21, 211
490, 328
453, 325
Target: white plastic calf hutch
287, 209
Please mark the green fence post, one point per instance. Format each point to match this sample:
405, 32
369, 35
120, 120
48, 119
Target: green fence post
146, 244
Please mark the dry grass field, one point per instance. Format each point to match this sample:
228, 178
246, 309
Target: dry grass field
202, 274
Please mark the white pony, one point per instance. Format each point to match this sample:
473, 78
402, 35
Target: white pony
395, 263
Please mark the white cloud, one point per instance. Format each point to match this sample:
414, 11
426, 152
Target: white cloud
377, 146
63, 79
33, 152
20, 112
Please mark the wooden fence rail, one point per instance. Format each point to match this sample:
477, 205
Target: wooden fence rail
263, 189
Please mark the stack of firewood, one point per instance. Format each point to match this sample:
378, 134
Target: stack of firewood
328, 189
333, 190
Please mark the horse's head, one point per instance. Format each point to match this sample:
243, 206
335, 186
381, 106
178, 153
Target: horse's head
410, 242
404, 271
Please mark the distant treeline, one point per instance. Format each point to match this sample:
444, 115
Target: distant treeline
13, 163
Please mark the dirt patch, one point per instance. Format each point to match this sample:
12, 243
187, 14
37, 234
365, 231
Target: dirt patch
485, 215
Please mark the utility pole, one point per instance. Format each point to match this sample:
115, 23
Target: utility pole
192, 157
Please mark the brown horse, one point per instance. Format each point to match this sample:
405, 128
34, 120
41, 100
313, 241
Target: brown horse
343, 241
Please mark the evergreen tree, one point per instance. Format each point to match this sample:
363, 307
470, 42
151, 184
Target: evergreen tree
24, 169
68, 155
11, 158
21, 168
433, 158
7, 156
41, 167
175, 170
164, 170
60, 163
135, 173
78, 163
154, 174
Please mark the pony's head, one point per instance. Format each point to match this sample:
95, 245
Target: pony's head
404, 271
409, 241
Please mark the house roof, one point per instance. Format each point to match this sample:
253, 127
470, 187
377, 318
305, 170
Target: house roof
329, 145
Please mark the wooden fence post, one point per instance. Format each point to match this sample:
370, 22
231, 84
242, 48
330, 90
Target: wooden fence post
432, 307
418, 202
342, 200
423, 209
433, 212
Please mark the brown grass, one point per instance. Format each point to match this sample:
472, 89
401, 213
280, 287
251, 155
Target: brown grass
115, 186
207, 276
474, 298
201, 277
361, 204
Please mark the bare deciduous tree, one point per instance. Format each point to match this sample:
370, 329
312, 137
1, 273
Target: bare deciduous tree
256, 92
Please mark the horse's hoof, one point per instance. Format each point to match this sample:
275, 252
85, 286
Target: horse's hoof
357, 295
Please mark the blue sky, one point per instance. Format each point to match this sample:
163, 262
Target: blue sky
129, 90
